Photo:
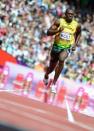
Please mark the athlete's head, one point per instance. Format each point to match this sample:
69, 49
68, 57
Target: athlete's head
69, 14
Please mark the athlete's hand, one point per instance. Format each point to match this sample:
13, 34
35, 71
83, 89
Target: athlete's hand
73, 48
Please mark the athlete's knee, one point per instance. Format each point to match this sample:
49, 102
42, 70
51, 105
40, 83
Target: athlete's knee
63, 56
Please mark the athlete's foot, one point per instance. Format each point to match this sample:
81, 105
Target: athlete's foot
53, 89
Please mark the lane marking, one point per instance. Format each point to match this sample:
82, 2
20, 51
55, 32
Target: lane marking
69, 113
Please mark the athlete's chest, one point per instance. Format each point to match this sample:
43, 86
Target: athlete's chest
69, 27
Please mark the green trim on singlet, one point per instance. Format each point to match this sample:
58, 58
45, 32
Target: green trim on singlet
58, 48
59, 45
62, 45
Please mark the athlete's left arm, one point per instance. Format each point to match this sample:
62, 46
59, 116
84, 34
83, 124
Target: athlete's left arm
77, 37
77, 34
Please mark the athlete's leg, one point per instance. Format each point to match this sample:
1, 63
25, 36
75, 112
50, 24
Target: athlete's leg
62, 56
51, 67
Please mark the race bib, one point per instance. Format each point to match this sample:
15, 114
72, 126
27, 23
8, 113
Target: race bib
65, 36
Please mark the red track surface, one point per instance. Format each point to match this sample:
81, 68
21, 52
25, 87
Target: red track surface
26, 113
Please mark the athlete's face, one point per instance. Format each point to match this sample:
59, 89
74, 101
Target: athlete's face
69, 15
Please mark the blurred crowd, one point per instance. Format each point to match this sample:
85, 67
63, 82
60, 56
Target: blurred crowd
23, 27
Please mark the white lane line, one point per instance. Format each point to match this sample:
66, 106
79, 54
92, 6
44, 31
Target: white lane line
69, 113
71, 118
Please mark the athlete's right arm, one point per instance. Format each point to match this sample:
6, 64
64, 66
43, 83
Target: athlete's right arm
54, 29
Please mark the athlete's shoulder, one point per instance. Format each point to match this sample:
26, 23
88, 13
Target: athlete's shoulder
75, 22
77, 25
62, 20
